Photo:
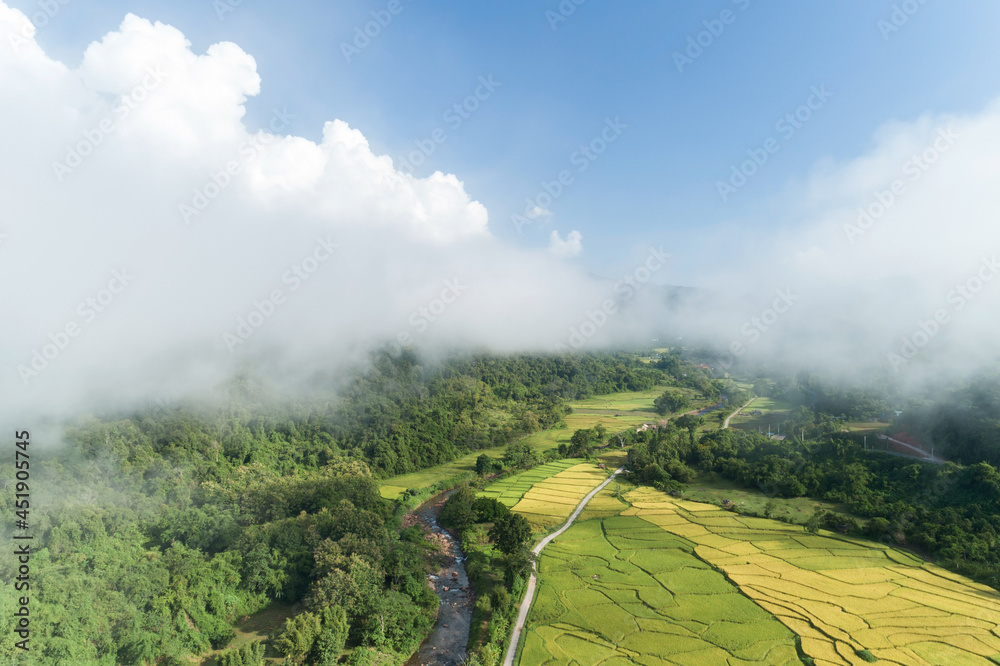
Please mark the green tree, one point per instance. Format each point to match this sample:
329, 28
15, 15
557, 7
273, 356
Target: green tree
599, 432
251, 654
670, 401
518, 454
770, 508
581, 438
356, 588
691, 423
517, 565
582, 442
484, 464
877, 527
298, 637
489, 509
395, 623
458, 512
332, 636
510, 533
815, 521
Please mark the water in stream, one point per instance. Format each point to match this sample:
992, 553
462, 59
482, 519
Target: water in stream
446, 643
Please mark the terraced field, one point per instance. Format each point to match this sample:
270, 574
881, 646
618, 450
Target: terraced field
604, 504
643, 578
546, 495
393, 487
624, 591
632, 409
848, 599
512, 489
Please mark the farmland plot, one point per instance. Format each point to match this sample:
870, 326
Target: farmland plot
621, 590
848, 599
546, 495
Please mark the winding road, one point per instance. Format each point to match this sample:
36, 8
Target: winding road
726, 425
529, 594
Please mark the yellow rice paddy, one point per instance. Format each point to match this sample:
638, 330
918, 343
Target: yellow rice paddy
840, 595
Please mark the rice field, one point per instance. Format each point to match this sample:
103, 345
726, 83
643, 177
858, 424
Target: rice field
844, 597
632, 409
634, 404
512, 489
620, 590
604, 504
546, 495
644, 578
634, 401
393, 487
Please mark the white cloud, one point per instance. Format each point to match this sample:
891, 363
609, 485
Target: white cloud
875, 246
132, 181
565, 249
145, 127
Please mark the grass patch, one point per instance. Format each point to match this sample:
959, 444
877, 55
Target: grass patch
794, 510
256, 627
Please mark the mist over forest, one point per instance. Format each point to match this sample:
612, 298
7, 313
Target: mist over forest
317, 315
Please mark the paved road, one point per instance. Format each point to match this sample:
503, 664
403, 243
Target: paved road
726, 424
529, 594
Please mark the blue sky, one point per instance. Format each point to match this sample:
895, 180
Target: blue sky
657, 183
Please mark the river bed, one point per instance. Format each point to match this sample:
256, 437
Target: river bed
446, 643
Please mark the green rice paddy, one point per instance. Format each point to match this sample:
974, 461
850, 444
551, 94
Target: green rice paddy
620, 590
672, 581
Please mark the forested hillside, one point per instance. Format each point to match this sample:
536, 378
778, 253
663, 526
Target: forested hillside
157, 529
948, 512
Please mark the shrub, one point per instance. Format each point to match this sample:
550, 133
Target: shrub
251, 654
